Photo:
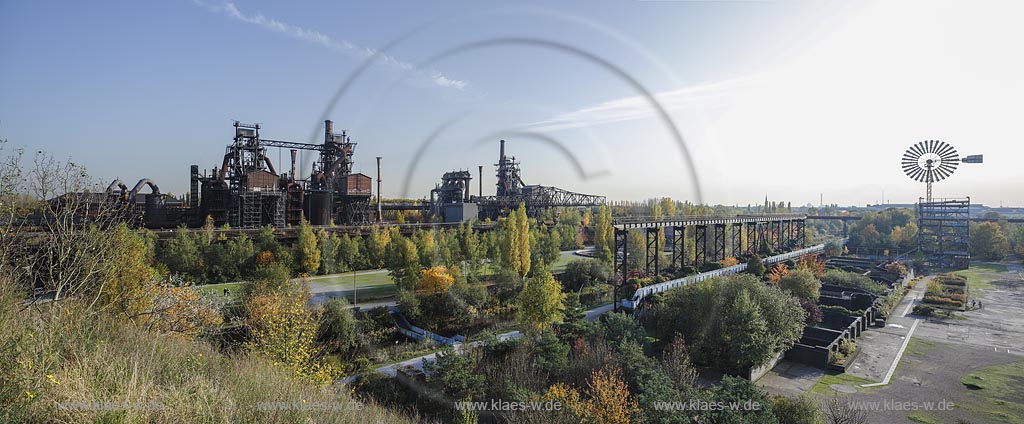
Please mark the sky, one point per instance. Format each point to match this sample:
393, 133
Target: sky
723, 102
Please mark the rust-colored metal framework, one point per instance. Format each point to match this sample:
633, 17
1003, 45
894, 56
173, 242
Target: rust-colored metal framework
782, 232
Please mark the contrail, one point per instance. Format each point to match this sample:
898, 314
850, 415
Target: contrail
229, 10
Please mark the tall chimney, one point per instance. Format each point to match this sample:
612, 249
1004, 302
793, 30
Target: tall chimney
481, 180
380, 210
328, 130
193, 195
293, 164
502, 157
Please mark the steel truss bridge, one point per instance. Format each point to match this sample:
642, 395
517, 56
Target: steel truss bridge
536, 198
712, 237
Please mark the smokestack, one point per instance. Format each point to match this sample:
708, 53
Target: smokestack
193, 196
380, 210
502, 158
481, 180
293, 163
328, 130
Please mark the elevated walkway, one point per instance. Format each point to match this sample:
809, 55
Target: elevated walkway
413, 332
643, 292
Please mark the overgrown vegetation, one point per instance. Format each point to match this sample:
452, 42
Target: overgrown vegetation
96, 330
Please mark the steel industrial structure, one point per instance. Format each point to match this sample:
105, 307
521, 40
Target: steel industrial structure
453, 194
636, 301
780, 232
944, 224
247, 191
943, 232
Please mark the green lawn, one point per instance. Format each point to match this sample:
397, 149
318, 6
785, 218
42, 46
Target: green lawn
368, 286
564, 260
218, 289
824, 384
995, 393
980, 275
345, 281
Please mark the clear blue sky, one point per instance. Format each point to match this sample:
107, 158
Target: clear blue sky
827, 92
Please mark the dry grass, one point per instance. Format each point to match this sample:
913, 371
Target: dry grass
63, 363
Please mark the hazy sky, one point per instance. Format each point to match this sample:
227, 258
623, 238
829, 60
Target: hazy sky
787, 99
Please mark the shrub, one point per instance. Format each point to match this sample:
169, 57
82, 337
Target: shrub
923, 310
853, 280
797, 410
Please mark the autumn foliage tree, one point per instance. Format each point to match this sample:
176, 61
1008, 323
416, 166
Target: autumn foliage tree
606, 398
435, 280
283, 329
729, 261
812, 264
779, 272
541, 302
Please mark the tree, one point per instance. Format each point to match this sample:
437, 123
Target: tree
181, 253
588, 217
668, 207
552, 353
337, 332
604, 234
729, 261
718, 314
675, 362
403, 263
989, 242
523, 242
129, 289
545, 246
610, 400
349, 257
744, 327
739, 391
541, 302
453, 374
574, 323
582, 273
426, 247
329, 244
620, 327
802, 284
515, 242
755, 266
656, 211
376, 247
812, 264
435, 280
284, 330
306, 249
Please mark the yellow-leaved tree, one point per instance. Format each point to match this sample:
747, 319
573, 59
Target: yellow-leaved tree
607, 400
540, 303
435, 280
284, 330
729, 261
